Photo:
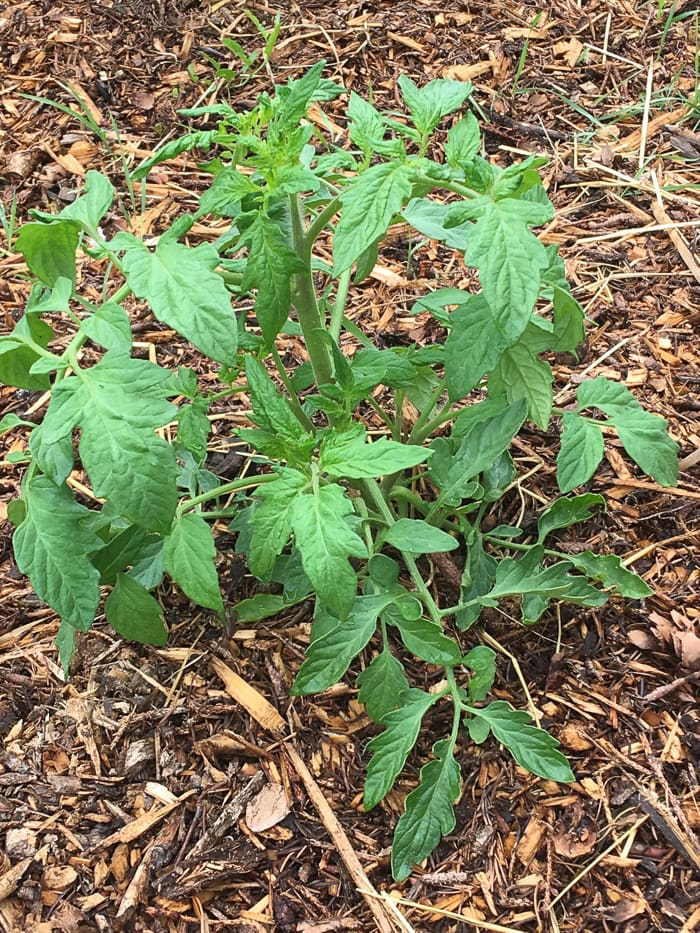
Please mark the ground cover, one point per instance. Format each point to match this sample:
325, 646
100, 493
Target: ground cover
114, 782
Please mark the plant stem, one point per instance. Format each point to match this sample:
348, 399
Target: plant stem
421, 586
341, 297
291, 394
427, 428
320, 221
245, 482
420, 429
304, 296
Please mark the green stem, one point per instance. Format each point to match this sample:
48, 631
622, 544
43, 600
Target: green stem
236, 485
454, 186
318, 224
291, 394
304, 297
420, 429
421, 586
427, 428
338, 314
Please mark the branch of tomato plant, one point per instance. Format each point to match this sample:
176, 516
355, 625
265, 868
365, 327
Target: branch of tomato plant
304, 297
236, 485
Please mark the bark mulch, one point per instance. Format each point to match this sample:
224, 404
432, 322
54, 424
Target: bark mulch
180, 789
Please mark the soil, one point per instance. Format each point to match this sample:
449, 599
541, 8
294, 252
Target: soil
181, 789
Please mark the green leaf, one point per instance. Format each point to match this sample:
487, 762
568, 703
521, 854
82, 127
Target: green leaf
134, 613
193, 427
55, 458
329, 655
477, 579
89, 209
452, 469
418, 537
109, 327
51, 546
429, 812
326, 542
534, 749
17, 358
372, 367
226, 193
463, 141
526, 575
430, 217
366, 126
184, 292
10, 421
189, 557
271, 410
122, 550
270, 267
65, 642
116, 404
49, 249
381, 684
521, 374
272, 520
481, 661
473, 346
580, 451
347, 454
508, 256
433, 101
569, 328
427, 641
368, 205
644, 435
566, 512
391, 747
198, 140
258, 607
608, 570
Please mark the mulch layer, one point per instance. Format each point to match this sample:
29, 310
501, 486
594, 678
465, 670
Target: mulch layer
181, 789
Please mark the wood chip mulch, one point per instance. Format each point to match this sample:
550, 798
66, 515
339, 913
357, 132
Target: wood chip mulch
180, 789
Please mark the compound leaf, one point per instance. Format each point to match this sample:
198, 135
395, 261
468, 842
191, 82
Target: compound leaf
51, 546
429, 812
391, 747
189, 557
644, 435
433, 101
534, 749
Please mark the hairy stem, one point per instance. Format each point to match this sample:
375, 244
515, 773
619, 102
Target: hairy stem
304, 297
